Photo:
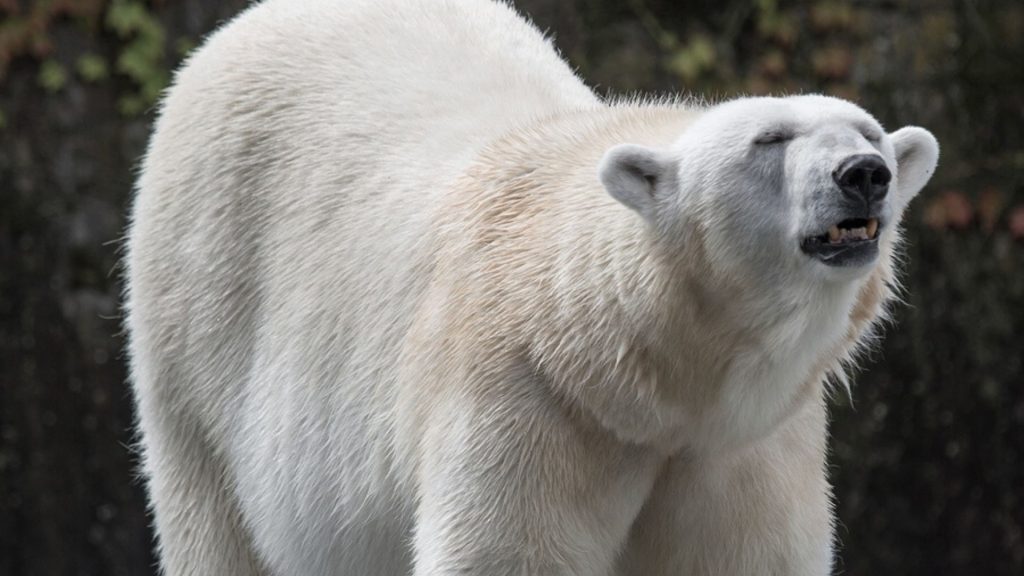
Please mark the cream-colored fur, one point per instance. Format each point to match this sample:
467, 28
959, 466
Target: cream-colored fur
406, 297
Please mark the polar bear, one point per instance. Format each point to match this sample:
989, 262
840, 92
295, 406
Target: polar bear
406, 297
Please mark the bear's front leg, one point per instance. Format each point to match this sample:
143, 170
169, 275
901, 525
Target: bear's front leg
511, 484
763, 510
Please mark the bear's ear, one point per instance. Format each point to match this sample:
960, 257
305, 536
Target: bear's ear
635, 175
917, 153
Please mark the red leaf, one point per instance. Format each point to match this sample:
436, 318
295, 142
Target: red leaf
1016, 222
950, 210
990, 206
959, 212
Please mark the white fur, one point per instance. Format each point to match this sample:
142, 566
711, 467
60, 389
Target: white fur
392, 309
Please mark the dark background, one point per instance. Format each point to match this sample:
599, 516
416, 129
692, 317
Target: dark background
927, 460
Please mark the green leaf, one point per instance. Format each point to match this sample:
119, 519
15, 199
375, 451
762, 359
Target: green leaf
52, 76
126, 17
184, 45
92, 68
693, 59
131, 105
142, 57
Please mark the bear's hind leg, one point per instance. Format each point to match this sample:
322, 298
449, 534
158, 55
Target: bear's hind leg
198, 527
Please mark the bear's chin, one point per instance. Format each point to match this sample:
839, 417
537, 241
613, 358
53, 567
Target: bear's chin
848, 255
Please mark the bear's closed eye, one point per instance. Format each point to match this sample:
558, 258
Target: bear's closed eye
774, 137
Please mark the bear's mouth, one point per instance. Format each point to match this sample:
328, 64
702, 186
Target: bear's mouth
851, 242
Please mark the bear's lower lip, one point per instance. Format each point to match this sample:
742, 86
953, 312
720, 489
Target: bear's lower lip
847, 254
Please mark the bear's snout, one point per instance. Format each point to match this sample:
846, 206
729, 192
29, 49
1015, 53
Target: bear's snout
863, 178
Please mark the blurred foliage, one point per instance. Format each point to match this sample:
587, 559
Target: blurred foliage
52, 75
927, 462
139, 56
25, 28
92, 68
142, 58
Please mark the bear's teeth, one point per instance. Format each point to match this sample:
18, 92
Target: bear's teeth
872, 227
859, 234
834, 234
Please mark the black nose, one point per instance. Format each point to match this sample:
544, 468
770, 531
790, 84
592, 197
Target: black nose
863, 177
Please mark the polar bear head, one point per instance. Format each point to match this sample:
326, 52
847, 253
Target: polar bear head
810, 187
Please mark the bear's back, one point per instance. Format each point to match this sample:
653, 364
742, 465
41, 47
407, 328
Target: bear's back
300, 154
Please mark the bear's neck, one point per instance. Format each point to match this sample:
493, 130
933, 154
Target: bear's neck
647, 341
